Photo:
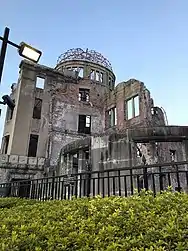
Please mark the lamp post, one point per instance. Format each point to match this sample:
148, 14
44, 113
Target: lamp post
24, 50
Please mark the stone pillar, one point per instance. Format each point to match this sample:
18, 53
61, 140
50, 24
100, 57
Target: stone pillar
185, 150
81, 161
89, 161
89, 176
63, 165
69, 163
184, 167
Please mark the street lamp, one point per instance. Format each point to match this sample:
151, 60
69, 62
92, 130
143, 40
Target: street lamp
24, 50
29, 52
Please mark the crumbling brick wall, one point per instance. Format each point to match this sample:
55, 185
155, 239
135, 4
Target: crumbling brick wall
65, 108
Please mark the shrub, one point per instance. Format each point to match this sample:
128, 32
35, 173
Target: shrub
136, 223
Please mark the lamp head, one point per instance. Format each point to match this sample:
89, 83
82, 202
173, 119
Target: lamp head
29, 52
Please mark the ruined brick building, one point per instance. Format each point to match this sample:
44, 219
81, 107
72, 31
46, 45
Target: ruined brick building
74, 118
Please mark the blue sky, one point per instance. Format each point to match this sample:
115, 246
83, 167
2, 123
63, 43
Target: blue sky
146, 40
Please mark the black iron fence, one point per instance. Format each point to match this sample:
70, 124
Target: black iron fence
120, 182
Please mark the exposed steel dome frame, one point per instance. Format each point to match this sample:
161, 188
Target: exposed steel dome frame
85, 55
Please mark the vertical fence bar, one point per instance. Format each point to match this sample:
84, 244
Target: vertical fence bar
52, 187
41, 190
33, 195
37, 188
187, 178
18, 189
32, 190
131, 181
65, 192
114, 185
23, 190
169, 180
62, 189
9, 190
27, 184
160, 178
108, 181
76, 187
12, 190
93, 186
125, 185
80, 188
119, 182
178, 178
145, 178
153, 181
103, 192
69, 191
59, 188
138, 183
89, 185
55, 188
50, 190
84, 181
98, 179
46, 189
72, 190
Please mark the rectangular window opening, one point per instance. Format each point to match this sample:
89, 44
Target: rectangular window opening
40, 82
87, 154
92, 75
5, 144
37, 108
112, 117
88, 121
115, 116
33, 142
110, 83
130, 114
101, 77
75, 69
173, 155
84, 124
81, 72
97, 76
132, 108
136, 106
83, 95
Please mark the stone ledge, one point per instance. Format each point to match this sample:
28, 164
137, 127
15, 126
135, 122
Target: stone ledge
22, 162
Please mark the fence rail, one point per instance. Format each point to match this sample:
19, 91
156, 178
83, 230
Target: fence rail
120, 182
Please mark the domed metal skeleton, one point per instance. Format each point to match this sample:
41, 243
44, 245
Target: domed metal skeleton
80, 54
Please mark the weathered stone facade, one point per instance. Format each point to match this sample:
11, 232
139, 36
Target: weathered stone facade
132, 149
141, 146
79, 116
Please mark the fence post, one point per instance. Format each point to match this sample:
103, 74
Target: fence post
178, 178
145, 178
160, 178
52, 189
88, 185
